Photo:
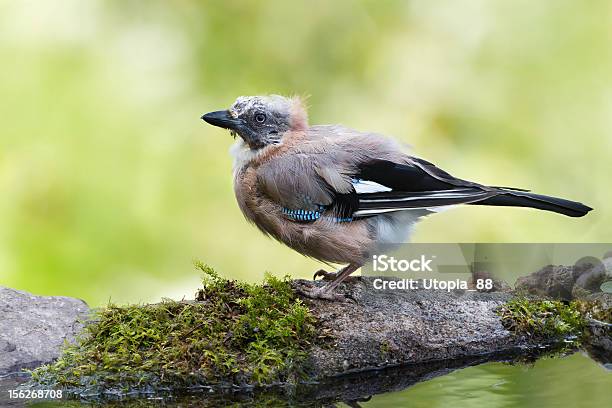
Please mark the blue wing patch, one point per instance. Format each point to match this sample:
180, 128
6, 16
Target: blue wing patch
311, 215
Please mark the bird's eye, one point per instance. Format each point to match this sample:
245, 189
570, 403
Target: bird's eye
260, 117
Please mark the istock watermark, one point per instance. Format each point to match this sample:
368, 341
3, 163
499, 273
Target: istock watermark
384, 263
430, 284
486, 266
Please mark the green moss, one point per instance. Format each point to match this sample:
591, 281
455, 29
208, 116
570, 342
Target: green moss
594, 310
544, 318
234, 333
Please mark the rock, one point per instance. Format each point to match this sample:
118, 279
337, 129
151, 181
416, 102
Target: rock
33, 328
555, 281
375, 341
599, 344
592, 277
568, 282
388, 328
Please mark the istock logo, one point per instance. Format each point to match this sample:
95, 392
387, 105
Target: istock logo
383, 263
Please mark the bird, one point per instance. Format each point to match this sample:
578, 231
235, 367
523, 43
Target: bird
339, 195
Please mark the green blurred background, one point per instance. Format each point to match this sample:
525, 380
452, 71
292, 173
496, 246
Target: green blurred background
111, 185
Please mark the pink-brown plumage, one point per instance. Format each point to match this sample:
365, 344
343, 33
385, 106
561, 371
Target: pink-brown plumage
353, 191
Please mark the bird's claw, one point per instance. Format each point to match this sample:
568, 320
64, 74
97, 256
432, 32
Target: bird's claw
320, 293
330, 276
322, 273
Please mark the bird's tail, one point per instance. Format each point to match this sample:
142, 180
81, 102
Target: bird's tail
519, 198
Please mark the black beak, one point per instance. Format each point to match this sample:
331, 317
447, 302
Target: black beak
222, 119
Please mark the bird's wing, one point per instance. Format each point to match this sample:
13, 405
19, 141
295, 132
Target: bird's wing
303, 181
384, 186
421, 185
354, 174
309, 181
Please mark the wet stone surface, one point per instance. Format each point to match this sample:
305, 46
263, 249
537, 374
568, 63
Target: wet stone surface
388, 328
33, 329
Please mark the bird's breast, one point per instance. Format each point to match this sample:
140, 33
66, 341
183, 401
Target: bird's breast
323, 238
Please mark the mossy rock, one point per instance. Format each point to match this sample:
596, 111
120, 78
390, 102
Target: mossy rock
550, 319
233, 334
238, 336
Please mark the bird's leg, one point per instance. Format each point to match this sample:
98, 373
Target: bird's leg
328, 276
341, 275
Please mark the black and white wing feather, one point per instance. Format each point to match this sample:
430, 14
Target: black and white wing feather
382, 186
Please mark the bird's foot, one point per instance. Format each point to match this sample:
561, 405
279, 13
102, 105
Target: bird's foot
330, 276
315, 292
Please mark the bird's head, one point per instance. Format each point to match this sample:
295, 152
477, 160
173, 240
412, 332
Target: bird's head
261, 120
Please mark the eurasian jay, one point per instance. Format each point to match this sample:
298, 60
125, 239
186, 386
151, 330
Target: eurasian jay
337, 194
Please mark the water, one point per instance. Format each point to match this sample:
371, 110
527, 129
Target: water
569, 381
